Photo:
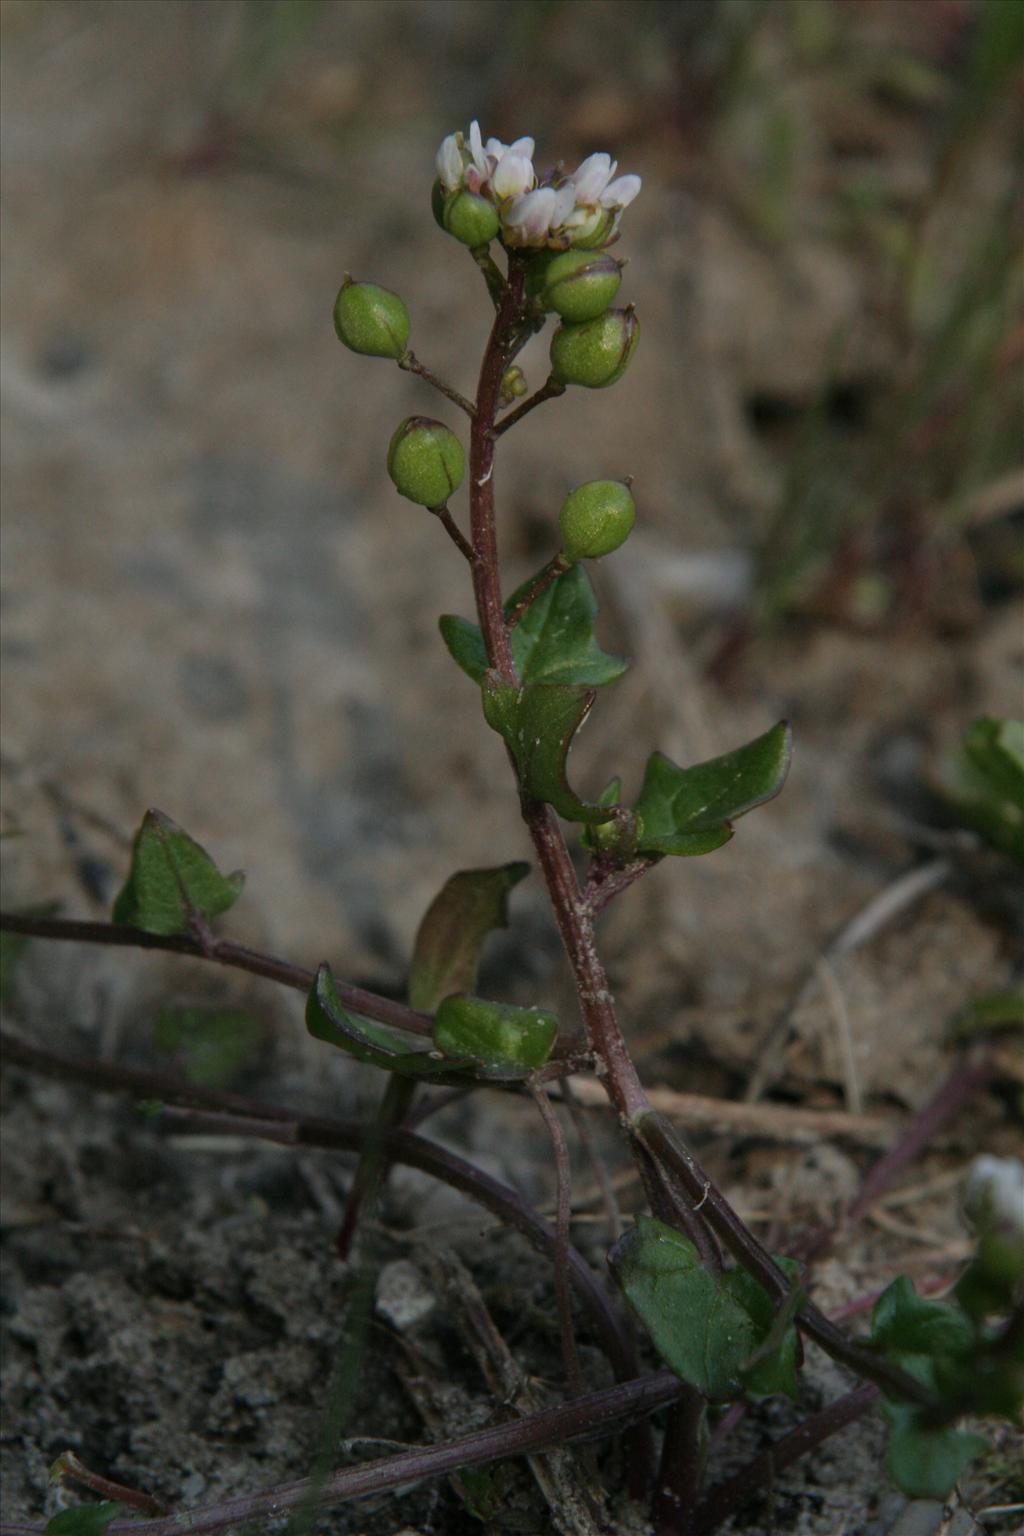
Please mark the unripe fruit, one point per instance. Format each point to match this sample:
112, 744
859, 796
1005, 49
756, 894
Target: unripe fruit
470, 218
595, 519
513, 385
597, 352
371, 320
580, 285
425, 461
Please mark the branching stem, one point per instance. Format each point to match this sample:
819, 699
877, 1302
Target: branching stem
410, 363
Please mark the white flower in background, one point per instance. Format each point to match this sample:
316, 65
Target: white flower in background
995, 1194
564, 211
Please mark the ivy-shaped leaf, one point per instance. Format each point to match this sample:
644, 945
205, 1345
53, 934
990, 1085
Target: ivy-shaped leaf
925, 1462
84, 1519
712, 1331
511, 1040
329, 1020
911, 1329
452, 933
539, 722
172, 880
691, 810
553, 641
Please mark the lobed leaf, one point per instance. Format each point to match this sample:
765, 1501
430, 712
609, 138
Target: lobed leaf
172, 880
495, 1035
691, 810
910, 1328
451, 935
538, 722
552, 643
925, 1462
718, 1333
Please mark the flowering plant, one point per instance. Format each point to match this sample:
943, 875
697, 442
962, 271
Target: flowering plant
724, 1317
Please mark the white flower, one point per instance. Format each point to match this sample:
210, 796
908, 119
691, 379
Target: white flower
449, 163
620, 193
995, 1194
528, 218
587, 204
591, 177
512, 176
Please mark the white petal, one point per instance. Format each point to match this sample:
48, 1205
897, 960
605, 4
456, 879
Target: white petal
592, 177
449, 163
528, 218
621, 192
494, 148
565, 202
476, 149
524, 147
512, 176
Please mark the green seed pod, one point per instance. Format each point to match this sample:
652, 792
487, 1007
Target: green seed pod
371, 320
470, 218
597, 352
438, 198
425, 461
580, 285
595, 519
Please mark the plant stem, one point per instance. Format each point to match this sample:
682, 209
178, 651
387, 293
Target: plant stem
410, 363
548, 391
454, 532
372, 1168
384, 1009
758, 1474
231, 1114
586, 1418
681, 1468
563, 1185
555, 567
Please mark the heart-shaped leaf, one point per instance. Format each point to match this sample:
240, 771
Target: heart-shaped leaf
553, 641
496, 1035
329, 1020
691, 810
172, 880
539, 722
454, 927
712, 1331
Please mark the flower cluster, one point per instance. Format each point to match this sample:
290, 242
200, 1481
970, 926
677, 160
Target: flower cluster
582, 209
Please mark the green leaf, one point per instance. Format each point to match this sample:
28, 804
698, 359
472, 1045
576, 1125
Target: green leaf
911, 1330
496, 1035
995, 1011
454, 927
986, 783
773, 1366
329, 1020
539, 722
691, 810
215, 1044
925, 1463
172, 880
709, 1331
553, 641
84, 1519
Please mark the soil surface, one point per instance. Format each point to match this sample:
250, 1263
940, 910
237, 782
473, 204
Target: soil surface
215, 604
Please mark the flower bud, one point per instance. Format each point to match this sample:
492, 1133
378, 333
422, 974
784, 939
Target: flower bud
597, 352
470, 218
513, 385
371, 320
580, 286
595, 519
596, 232
425, 461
